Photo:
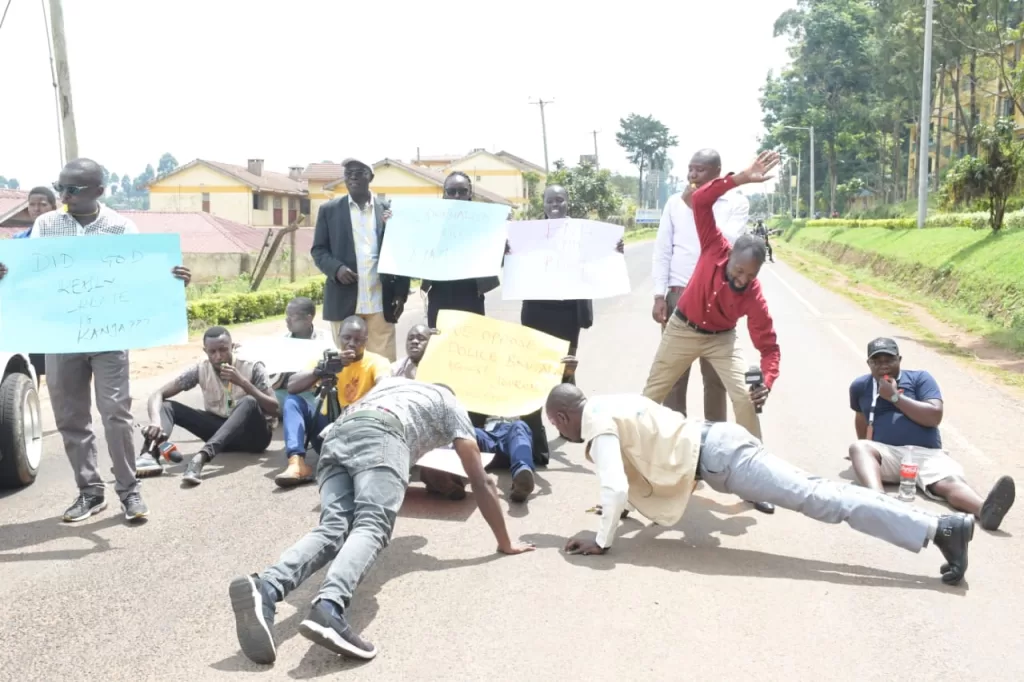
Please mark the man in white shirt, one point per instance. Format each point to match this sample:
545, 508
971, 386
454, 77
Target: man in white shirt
676, 251
652, 457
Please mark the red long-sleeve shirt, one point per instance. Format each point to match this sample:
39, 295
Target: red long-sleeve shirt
709, 302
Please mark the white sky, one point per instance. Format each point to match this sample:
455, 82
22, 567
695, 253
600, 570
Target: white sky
301, 81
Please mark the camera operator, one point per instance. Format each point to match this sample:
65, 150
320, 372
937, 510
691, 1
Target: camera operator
341, 378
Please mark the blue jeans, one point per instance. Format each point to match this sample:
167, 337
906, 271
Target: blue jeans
363, 473
299, 417
511, 443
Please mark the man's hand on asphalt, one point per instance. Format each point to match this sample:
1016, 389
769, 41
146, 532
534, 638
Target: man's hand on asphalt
517, 548
345, 275
660, 310
759, 394
583, 546
887, 388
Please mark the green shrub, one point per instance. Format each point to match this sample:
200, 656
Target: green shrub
227, 309
975, 221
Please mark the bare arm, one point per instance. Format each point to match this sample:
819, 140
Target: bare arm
300, 382
860, 425
927, 413
486, 498
156, 400
264, 396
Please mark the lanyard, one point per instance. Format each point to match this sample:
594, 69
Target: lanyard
874, 401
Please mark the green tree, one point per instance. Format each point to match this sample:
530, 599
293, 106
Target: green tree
990, 177
591, 193
626, 185
166, 164
127, 186
646, 141
13, 184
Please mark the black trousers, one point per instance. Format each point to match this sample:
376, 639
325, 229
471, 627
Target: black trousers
244, 430
457, 295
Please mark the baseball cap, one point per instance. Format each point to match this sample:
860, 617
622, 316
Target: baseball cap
356, 162
883, 345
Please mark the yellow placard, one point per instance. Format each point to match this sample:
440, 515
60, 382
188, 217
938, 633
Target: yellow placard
495, 368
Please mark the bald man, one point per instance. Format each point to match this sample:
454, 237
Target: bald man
357, 372
651, 457
69, 375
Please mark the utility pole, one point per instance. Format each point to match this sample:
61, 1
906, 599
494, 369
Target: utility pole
60, 55
597, 162
925, 124
544, 130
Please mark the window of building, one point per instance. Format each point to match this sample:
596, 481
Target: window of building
478, 178
1007, 108
304, 206
257, 201
206, 202
277, 202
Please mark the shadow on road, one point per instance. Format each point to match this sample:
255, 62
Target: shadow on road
400, 558
21, 535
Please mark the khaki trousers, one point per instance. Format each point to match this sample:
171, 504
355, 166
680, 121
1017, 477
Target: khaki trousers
681, 346
380, 336
714, 390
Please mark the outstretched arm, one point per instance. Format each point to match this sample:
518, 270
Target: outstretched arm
486, 498
606, 452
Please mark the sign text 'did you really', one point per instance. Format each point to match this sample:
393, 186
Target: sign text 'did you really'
91, 294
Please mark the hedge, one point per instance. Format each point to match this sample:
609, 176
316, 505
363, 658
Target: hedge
226, 309
976, 221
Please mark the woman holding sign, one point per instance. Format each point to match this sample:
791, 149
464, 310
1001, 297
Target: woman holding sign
459, 294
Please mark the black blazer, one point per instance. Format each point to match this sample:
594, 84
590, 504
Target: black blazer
333, 246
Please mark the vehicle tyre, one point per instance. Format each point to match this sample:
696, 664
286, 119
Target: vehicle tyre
21, 431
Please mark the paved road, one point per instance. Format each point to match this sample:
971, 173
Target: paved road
728, 593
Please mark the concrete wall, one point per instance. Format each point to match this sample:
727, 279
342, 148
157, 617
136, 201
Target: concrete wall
207, 267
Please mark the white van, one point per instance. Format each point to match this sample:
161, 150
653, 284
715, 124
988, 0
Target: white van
21, 421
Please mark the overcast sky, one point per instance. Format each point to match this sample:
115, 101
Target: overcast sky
310, 80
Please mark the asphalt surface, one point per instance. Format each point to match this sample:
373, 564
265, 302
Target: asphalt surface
728, 593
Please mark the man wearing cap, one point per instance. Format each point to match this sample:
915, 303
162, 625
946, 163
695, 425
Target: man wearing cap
346, 245
898, 411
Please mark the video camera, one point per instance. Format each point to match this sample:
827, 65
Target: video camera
329, 367
754, 379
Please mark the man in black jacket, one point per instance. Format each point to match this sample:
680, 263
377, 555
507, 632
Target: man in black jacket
346, 246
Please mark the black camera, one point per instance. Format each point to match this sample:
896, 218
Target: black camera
330, 365
754, 379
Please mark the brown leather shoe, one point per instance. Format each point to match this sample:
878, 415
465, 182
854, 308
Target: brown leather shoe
297, 473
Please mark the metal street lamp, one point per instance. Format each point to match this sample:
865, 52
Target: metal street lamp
925, 124
810, 203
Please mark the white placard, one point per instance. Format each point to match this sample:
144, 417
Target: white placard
444, 459
281, 353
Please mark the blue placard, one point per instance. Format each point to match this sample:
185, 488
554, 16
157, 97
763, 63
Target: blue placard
443, 239
91, 294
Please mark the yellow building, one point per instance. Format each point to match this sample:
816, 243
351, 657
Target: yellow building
501, 173
392, 178
246, 194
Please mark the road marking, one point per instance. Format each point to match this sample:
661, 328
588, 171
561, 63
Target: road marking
958, 437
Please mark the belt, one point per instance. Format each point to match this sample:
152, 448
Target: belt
704, 429
380, 414
699, 330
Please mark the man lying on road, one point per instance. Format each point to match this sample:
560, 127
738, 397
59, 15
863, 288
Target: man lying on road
899, 411
650, 456
239, 408
363, 475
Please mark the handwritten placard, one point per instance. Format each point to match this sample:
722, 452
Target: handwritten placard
443, 240
556, 260
281, 354
495, 367
91, 294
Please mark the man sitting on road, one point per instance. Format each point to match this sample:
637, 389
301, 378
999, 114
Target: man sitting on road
363, 475
899, 412
298, 317
415, 345
651, 456
239, 406
356, 372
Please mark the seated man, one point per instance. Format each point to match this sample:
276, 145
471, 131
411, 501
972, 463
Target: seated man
239, 406
298, 317
355, 373
899, 411
415, 345
649, 455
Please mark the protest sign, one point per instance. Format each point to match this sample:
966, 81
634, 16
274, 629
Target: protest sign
495, 368
444, 240
557, 260
447, 460
280, 354
91, 294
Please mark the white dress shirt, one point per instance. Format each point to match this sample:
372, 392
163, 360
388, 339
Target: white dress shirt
606, 453
677, 246
370, 298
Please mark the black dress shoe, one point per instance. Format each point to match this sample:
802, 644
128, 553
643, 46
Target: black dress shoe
764, 507
952, 537
998, 502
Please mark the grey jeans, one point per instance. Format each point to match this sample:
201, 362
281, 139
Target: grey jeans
733, 461
363, 473
68, 379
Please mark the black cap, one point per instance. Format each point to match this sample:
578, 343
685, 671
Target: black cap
881, 346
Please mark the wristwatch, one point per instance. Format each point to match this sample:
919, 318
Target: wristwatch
895, 397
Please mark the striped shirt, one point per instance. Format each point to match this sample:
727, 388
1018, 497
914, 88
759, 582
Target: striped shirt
61, 224
364, 234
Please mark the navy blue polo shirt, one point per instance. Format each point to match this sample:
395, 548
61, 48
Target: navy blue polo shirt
892, 427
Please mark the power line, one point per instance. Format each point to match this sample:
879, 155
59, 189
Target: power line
4, 17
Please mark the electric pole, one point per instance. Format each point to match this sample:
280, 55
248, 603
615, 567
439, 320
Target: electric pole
544, 130
597, 162
60, 55
924, 125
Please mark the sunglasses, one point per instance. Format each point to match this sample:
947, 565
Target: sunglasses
70, 189
457, 191
356, 174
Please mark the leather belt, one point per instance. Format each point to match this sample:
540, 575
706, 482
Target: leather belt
698, 329
376, 413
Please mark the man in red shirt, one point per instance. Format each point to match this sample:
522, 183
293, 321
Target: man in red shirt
722, 289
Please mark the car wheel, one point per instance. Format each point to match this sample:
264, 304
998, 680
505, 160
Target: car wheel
21, 431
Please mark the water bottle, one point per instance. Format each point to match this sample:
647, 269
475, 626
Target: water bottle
908, 477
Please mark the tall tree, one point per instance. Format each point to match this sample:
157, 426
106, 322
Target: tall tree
13, 184
591, 192
646, 141
127, 185
166, 164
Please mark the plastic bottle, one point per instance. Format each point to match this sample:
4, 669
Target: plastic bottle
908, 477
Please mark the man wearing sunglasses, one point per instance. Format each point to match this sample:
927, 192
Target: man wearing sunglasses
69, 375
346, 246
